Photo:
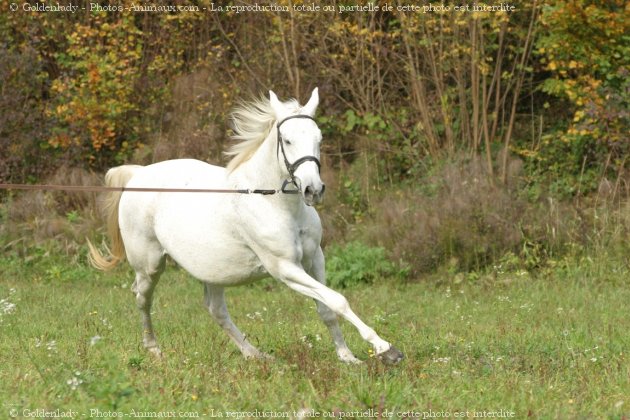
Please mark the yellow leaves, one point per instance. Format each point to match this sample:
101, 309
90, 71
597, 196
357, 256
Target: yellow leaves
485, 68
61, 109
93, 102
526, 153
461, 21
61, 140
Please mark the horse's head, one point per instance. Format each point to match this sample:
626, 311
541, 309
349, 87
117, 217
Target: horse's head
298, 146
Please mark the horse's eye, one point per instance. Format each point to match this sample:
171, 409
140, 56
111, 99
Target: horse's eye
287, 142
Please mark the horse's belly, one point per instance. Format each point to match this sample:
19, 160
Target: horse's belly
218, 264
198, 232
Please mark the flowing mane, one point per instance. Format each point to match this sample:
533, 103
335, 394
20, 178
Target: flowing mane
251, 122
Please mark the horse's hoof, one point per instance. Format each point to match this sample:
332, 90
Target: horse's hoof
391, 356
351, 360
346, 356
259, 355
156, 352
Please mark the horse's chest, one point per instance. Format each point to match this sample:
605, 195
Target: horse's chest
308, 243
306, 237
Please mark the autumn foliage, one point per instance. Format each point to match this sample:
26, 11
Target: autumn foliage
102, 88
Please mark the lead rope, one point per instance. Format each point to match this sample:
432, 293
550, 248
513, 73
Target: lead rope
88, 188
291, 168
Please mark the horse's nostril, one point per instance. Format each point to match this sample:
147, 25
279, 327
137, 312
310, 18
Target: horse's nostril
308, 191
323, 189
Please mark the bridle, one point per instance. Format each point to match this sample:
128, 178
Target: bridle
292, 167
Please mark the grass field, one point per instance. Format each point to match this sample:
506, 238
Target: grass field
510, 346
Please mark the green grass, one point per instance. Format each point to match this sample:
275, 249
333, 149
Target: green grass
548, 348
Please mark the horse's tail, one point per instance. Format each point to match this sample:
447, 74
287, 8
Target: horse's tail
115, 177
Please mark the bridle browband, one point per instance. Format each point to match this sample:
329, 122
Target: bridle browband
292, 167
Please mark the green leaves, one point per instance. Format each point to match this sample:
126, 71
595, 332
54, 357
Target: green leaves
357, 263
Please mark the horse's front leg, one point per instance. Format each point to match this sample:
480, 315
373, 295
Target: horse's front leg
297, 279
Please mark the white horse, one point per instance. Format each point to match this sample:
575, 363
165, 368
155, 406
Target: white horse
233, 239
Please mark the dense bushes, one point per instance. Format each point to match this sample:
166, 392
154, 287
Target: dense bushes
410, 85
584, 57
461, 218
23, 124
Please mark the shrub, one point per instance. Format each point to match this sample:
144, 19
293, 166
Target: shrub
585, 51
22, 120
357, 263
462, 216
56, 221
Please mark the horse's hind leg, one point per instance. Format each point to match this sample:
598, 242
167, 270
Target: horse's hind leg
215, 302
143, 288
328, 316
149, 265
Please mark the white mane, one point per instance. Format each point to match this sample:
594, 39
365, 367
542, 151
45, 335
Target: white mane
251, 123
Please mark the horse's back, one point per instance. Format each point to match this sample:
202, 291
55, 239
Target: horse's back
139, 211
140, 208
179, 173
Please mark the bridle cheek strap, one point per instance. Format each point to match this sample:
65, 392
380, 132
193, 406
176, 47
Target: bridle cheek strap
292, 167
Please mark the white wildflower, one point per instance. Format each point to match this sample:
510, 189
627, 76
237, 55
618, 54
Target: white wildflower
74, 382
6, 307
305, 339
106, 323
379, 318
255, 315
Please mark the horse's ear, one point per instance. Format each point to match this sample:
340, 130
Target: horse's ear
311, 106
277, 106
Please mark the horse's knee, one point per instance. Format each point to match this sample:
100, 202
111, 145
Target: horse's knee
219, 314
143, 288
216, 308
338, 304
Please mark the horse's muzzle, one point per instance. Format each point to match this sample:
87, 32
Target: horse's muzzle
313, 195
